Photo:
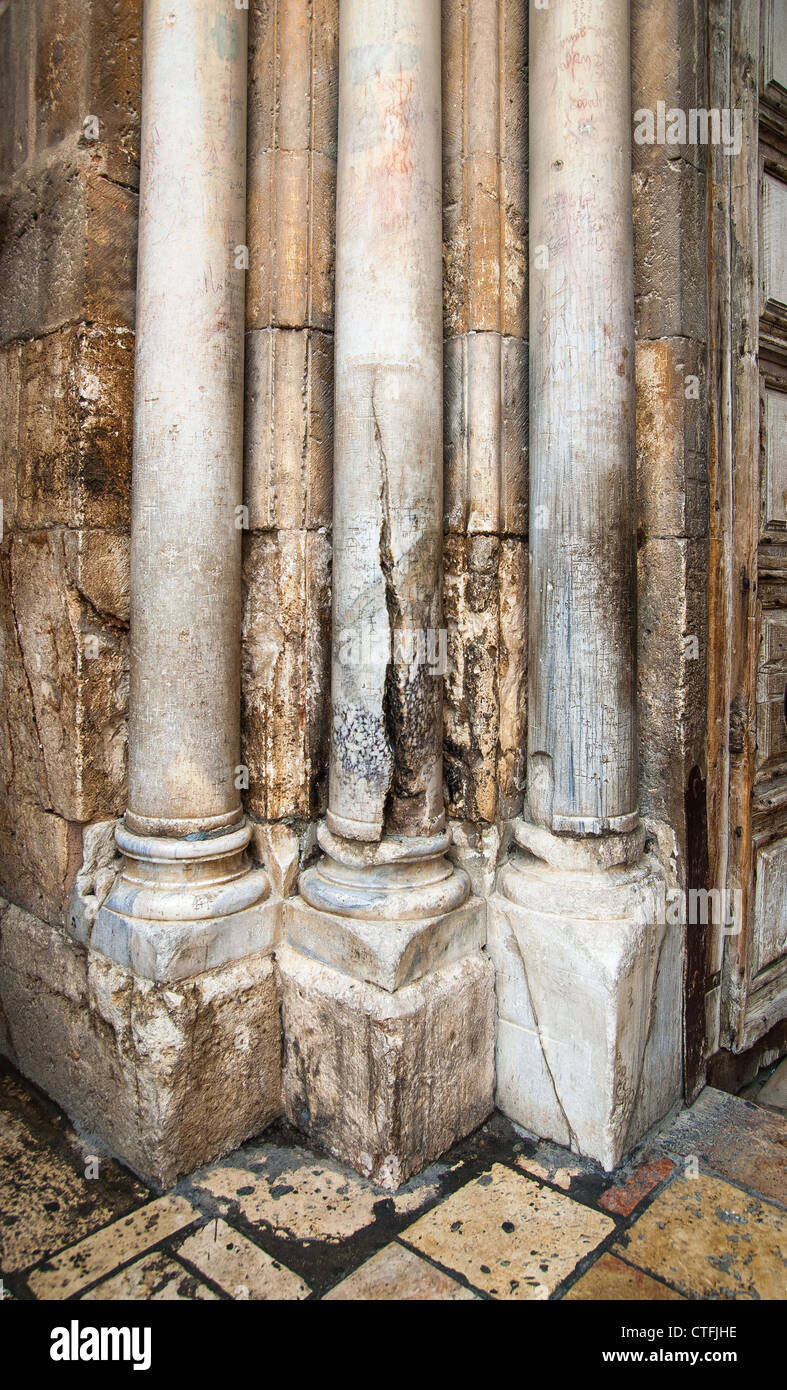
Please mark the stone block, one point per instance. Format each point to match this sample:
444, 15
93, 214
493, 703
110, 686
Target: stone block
288, 428
16, 84
68, 252
285, 659
512, 674
387, 1082
35, 857
470, 711
69, 610
167, 1077
10, 360
672, 670
88, 63
670, 245
485, 705
74, 428
399, 954
588, 979
325, 76
668, 54
485, 434
513, 19
293, 75
672, 437
484, 156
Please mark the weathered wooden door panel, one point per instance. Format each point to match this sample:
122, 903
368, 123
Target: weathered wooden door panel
749, 468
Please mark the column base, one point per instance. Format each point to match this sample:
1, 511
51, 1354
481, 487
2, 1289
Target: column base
387, 955
589, 982
165, 1076
387, 1005
181, 906
387, 1081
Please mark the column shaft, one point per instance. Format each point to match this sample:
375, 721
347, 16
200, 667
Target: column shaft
188, 421
386, 768
183, 837
582, 763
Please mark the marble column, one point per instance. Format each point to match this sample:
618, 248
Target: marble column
186, 893
589, 974
384, 905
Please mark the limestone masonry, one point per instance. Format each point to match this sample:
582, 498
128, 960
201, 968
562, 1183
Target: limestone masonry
393, 568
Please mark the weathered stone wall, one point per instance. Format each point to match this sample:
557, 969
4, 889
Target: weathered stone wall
671, 305
293, 94
485, 392
670, 276
68, 211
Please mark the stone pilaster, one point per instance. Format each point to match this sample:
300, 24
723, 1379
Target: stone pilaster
588, 966
390, 920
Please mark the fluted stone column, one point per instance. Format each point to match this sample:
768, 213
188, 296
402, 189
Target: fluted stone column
186, 896
384, 907
589, 972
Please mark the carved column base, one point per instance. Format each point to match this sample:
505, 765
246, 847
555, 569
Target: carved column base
388, 1005
182, 906
588, 992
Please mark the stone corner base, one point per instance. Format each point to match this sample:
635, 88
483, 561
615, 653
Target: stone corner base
387, 1081
589, 1007
167, 1076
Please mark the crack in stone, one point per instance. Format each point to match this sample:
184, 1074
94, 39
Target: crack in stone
393, 607
648, 1033
572, 1138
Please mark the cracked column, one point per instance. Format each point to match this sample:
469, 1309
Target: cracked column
588, 971
186, 896
387, 997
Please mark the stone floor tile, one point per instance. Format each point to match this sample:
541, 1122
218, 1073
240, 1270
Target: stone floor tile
737, 1140
508, 1236
238, 1266
302, 1196
773, 1094
711, 1240
611, 1279
98, 1255
623, 1197
154, 1278
46, 1199
395, 1273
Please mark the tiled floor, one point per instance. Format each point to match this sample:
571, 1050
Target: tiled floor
697, 1214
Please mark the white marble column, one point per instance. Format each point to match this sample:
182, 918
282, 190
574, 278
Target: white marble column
385, 825
588, 1047
183, 836
582, 761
